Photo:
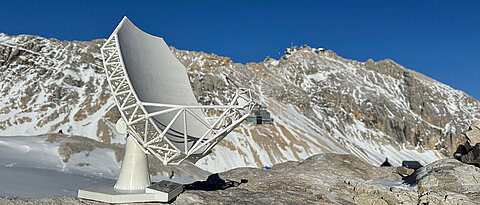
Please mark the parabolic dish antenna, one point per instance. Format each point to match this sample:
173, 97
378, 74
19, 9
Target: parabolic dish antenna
159, 113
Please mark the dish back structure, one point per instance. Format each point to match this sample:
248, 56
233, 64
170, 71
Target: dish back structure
152, 91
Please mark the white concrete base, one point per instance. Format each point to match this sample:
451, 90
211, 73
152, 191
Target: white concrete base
106, 193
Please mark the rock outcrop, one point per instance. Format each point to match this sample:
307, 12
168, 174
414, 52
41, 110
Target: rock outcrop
470, 151
473, 134
404, 171
321, 179
472, 156
325, 179
447, 181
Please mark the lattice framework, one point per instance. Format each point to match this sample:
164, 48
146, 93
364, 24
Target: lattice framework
140, 123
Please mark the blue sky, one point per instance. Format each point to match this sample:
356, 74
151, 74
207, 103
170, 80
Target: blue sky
440, 39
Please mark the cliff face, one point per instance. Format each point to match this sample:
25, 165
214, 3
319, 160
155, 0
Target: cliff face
371, 109
320, 101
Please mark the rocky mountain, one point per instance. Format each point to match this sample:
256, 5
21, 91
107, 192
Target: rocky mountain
320, 102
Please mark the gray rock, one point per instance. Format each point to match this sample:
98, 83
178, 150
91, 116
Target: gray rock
324, 179
470, 151
447, 181
403, 171
473, 156
473, 136
321, 179
476, 124
60, 200
461, 150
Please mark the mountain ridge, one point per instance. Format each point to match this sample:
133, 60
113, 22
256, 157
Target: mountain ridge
321, 102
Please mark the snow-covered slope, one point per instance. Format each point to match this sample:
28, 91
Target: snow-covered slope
77, 156
42, 152
58, 165
49, 86
320, 101
39, 183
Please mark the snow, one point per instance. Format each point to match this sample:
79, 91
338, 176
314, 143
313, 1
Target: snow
30, 166
40, 183
30, 152
177, 177
102, 163
222, 158
376, 153
397, 183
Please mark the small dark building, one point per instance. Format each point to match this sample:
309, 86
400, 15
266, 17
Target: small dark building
260, 116
412, 164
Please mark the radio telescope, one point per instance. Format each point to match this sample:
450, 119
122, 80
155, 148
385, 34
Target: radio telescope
159, 114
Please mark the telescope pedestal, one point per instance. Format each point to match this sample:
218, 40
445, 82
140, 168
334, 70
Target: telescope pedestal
134, 175
133, 184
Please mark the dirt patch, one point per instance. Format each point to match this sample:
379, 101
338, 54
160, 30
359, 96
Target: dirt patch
74, 144
104, 132
82, 164
112, 114
67, 149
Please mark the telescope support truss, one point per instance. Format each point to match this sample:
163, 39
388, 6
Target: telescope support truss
141, 125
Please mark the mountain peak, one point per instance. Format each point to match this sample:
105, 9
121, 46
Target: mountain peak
321, 102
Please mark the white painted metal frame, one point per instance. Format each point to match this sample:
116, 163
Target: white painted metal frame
145, 131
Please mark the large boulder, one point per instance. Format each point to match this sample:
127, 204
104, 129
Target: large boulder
320, 179
473, 156
404, 171
470, 152
447, 181
473, 136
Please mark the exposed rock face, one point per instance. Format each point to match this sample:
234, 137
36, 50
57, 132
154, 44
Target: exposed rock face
321, 179
470, 151
325, 179
45, 201
448, 181
320, 101
342, 97
403, 171
473, 135
472, 156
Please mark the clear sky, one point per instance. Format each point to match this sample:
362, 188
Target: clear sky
440, 39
